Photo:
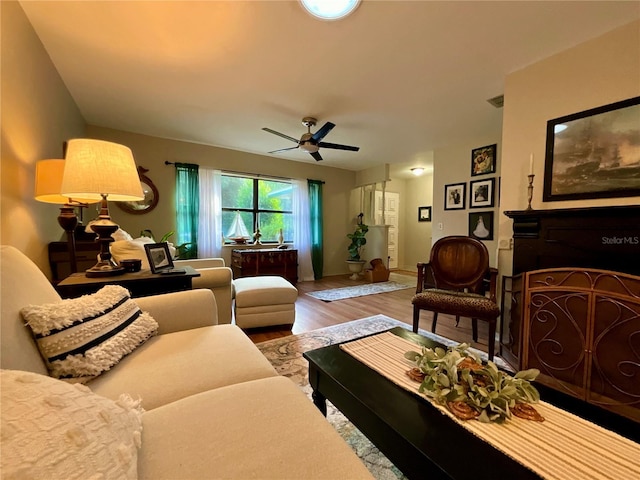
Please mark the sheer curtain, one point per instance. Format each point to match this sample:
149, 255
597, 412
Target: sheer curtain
210, 217
302, 229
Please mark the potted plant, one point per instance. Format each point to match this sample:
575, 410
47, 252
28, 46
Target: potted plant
358, 241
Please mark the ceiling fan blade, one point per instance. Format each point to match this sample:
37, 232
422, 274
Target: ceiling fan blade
338, 146
320, 134
283, 149
280, 134
316, 155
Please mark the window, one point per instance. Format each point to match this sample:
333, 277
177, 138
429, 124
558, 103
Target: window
250, 202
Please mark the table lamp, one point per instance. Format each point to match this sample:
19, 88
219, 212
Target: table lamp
48, 181
103, 171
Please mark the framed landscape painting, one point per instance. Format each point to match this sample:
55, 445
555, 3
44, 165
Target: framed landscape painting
454, 196
594, 153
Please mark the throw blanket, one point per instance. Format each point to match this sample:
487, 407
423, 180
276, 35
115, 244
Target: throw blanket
563, 446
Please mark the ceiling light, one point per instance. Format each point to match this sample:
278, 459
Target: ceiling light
417, 171
330, 9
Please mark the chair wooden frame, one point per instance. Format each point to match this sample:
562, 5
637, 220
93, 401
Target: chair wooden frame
460, 272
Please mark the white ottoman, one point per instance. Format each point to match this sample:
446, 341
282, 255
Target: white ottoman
264, 301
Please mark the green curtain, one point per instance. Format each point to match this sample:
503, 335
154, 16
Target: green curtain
187, 209
315, 205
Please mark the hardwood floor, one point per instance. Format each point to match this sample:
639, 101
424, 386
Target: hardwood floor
312, 313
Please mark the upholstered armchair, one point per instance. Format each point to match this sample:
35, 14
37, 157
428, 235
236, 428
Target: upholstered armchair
458, 269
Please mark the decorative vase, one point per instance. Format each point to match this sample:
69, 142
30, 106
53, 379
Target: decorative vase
280, 238
355, 267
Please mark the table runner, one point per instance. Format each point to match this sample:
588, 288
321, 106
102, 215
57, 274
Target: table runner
562, 447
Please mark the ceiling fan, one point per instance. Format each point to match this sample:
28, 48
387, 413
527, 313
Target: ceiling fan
311, 142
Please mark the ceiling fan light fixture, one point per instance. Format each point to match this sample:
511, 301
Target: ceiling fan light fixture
417, 171
330, 9
309, 147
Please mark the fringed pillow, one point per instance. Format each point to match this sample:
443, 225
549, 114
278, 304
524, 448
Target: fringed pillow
54, 430
80, 338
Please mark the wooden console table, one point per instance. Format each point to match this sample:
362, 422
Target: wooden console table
86, 257
260, 262
140, 284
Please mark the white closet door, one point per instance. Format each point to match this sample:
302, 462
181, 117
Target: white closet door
391, 212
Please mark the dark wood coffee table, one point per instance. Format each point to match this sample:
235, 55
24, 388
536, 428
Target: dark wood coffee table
412, 433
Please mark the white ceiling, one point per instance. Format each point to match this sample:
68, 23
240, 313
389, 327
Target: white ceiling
399, 79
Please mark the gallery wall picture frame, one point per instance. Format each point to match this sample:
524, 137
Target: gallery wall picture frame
481, 225
482, 193
424, 214
593, 153
455, 196
158, 256
483, 160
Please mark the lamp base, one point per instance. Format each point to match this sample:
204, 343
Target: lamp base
105, 267
102, 269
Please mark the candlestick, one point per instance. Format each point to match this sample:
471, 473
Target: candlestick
531, 164
530, 190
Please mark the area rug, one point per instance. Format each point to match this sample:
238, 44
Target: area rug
396, 282
285, 354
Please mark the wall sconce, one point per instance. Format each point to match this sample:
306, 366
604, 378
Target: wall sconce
48, 183
417, 171
101, 170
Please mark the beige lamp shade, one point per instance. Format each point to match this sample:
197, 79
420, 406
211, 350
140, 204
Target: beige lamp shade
48, 183
95, 167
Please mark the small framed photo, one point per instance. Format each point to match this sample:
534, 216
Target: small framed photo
159, 256
424, 214
454, 196
481, 225
483, 160
482, 193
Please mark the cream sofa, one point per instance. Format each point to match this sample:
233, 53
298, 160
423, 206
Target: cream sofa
214, 275
214, 406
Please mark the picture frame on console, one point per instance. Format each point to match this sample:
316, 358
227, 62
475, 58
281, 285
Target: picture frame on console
482, 193
454, 196
159, 256
594, 153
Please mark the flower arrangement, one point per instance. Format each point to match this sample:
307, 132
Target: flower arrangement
469, 388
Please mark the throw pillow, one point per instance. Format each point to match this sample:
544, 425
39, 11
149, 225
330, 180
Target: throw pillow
51, 429
82, 337
123, 249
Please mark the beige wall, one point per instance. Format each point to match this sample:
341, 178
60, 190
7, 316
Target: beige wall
37, 116
152, 152
598, 72
416, 236
453, 165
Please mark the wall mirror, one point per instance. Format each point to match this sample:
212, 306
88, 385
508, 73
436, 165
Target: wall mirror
150, 200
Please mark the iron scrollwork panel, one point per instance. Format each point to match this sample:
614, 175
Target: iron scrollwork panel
557, 338
615, 375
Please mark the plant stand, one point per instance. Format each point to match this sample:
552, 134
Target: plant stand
355, 267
